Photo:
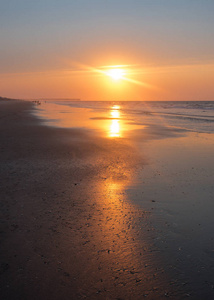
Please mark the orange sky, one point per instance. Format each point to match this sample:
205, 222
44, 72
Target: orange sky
57, 50
188, 82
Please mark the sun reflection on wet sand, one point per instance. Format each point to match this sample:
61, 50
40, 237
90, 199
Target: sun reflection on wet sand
122, 261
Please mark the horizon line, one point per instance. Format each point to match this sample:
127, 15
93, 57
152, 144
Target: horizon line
81, 100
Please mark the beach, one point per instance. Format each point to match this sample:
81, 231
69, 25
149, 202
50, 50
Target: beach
90, 215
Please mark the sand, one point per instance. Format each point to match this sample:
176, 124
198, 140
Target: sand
69, 229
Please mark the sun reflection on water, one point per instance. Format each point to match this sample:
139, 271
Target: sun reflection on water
111, 122
115, 130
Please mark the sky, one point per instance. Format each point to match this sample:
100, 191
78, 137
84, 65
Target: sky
64, 49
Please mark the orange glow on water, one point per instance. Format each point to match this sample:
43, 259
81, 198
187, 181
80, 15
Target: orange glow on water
115, 123
115, 128
110, 123
115, 113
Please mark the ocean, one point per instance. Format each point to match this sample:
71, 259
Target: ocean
196, 116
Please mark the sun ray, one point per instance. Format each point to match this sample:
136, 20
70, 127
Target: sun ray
116, 72
144, 84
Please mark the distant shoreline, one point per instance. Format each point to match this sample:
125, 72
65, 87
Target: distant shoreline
82, 100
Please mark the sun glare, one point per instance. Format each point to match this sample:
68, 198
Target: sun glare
116, 74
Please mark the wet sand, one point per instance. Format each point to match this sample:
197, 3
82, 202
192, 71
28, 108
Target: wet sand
69, 229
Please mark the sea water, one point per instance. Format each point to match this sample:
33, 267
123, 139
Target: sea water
196, 116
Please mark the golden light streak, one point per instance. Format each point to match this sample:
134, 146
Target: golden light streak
115, 122
144, 84
115, 114
117, 72
103, 69
115, 129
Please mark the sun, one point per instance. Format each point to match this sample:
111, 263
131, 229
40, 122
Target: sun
116, 74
